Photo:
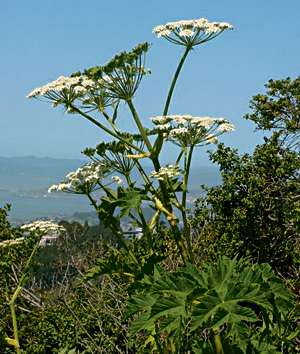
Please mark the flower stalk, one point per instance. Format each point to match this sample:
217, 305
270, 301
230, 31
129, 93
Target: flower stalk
159, 141
14, 297
139, 125
107, 130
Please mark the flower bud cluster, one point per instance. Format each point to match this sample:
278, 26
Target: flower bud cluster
191, 32
168, 171
121, 76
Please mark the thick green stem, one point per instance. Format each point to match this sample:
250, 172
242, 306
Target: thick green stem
110, 121
218, 344
15, 328
166, 201
94, 204
179, 157
24, 274
156, 164
173, 83
157, 148
159, 141
187, 167
139, 125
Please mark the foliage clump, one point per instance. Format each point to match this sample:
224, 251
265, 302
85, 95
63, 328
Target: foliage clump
192, 310
255, 212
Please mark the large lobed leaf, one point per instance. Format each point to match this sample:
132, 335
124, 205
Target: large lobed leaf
229, 298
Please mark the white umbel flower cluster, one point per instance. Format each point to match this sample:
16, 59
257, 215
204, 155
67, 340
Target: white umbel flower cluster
168, 171
78, 84
183, 119
45, 227
82, 180
186, 130
191, 32
8, 243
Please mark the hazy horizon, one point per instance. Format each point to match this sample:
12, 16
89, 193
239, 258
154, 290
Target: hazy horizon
24, 182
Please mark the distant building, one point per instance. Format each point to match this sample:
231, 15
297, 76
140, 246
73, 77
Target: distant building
48, 240
130, 231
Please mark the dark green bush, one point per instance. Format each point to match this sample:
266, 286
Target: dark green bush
256, 211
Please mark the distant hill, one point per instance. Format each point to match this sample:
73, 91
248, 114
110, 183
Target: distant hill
24, 182
29, 172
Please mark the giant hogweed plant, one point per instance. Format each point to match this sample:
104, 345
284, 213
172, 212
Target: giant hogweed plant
227, 308
96, 94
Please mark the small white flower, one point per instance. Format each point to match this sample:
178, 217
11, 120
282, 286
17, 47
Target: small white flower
200, 23
53, 188
205, 122
105, 79
159, 120
8, 243
177, 132
163, 33
226, 127
117, 179
181, 119
163, 127
168, 171
186, 33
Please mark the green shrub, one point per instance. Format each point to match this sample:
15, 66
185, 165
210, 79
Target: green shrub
256, 211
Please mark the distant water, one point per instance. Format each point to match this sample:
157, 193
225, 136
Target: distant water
25, 207
24, 182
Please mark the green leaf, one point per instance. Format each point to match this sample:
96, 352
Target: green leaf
142, 305
230, 298
129, 199
173, 307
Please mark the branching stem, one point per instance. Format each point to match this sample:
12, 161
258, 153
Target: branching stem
107, 130
139, 125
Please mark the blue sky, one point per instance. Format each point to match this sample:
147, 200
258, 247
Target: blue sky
42, 40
